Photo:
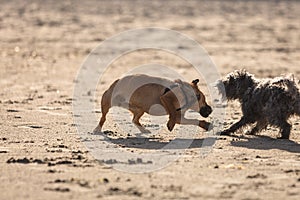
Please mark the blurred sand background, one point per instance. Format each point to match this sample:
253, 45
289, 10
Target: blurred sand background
42, 46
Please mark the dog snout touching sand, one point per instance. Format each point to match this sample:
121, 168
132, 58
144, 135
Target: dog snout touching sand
156, 96
263, 101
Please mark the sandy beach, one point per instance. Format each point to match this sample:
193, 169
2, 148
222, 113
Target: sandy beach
44, 45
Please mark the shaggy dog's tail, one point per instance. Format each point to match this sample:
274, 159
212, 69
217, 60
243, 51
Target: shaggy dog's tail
291, 90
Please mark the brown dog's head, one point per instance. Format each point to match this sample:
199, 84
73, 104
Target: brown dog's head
194, 98
204, 109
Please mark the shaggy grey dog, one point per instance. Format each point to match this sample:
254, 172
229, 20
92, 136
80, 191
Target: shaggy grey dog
263, 101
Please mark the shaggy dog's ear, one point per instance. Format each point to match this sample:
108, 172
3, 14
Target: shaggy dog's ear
195, 82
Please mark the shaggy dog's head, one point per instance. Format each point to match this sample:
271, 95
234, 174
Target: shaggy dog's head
236, 84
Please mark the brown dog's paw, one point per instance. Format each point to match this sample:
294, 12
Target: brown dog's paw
145, 130
210, 126
170, 125
97, 130
206, 125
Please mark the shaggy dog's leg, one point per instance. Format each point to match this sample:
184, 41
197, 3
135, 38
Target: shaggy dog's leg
285, 130
283, 125
235, 126
137, 114
260, 125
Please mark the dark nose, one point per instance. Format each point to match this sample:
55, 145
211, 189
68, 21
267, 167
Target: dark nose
205, 111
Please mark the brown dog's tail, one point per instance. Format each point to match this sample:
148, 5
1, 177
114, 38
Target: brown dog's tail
106, 97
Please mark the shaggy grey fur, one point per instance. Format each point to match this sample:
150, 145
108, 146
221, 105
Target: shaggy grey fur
263, 101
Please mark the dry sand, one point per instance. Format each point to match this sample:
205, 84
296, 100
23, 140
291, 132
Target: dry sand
43, 44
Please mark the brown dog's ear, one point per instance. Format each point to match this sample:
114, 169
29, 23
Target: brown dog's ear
195, 82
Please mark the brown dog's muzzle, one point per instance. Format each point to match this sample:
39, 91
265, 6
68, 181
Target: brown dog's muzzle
205, 111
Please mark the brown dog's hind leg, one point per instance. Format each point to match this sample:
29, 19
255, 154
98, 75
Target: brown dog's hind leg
103, 117
105, 106
137, 114
102, 120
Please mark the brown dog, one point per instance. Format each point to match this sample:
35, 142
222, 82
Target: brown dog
155, 96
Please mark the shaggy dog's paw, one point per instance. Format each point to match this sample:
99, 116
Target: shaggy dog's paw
283, 137
249, 133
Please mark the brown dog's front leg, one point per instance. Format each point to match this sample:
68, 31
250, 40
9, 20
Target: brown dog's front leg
171, 123
167, 103
203, 124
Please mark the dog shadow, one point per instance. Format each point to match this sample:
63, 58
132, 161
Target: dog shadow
267, 143
257, 142
155, 144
